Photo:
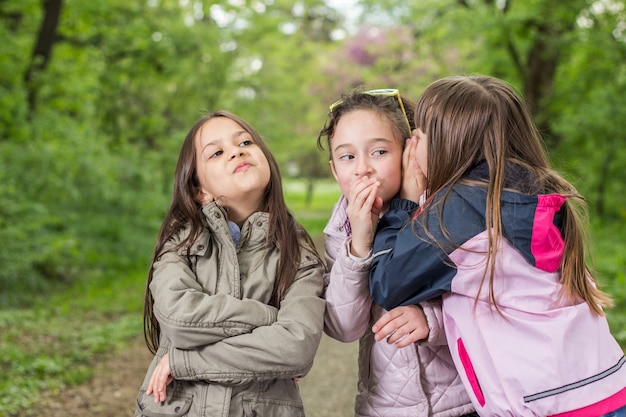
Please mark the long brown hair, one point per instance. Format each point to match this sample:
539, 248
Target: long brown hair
185, 211
479, 119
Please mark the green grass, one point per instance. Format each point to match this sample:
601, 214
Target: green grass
53, 344
313, 215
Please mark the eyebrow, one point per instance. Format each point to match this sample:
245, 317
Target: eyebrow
371, 141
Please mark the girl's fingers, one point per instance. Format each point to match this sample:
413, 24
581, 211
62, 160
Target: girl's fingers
149, 389
361, 189
362, 197
370, 196
160, 378
408, 153
413, 179
388, 329
384, 320
402, 326
399, 334
161, 391
407, 339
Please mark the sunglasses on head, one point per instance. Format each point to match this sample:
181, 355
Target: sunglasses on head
385, 92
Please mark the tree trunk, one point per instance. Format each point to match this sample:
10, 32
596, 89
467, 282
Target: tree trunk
542, 62
42, 52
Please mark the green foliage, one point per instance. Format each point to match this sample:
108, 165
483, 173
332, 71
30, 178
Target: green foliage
62, 217
312, 214
608, 248
593, 143
86, 166
33, 234
51, 345
89, 144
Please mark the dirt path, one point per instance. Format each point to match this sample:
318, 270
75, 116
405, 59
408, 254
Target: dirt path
328, 390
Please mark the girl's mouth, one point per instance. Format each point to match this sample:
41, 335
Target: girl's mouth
242, 167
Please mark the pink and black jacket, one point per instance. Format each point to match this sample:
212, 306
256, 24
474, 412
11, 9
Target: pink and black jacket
540, 355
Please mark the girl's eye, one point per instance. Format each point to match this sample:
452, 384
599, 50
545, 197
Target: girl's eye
346, 157
216, 154
379, 152
246, 143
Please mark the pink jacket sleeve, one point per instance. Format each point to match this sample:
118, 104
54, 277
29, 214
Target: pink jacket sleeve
348, 301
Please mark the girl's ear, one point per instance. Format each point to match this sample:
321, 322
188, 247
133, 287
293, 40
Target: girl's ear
204, 197
332, 169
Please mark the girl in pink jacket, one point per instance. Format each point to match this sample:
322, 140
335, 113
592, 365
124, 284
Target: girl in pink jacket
405, 368
501, 237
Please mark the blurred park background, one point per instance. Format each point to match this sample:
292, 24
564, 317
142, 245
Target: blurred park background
96, 97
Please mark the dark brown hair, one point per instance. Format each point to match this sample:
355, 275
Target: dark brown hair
185, 211
387, 106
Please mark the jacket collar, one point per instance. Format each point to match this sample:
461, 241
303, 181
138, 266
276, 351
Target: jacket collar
338, 224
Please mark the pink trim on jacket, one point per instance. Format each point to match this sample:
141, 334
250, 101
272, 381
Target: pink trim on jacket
547, 244
601, 408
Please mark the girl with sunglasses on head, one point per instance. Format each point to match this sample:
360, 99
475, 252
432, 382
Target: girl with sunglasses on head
501, 237
405, 368
233, 308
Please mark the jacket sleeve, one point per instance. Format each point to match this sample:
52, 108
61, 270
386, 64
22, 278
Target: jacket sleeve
434, 318
407, 266
190, 316
348, 300
282, 349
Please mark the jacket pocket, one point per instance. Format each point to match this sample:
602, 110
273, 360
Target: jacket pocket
469, 371
176, 405
265, 407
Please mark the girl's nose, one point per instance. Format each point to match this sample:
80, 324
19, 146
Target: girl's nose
236, 151
363, 168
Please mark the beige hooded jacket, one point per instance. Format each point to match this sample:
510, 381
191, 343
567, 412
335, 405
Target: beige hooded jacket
231, 353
